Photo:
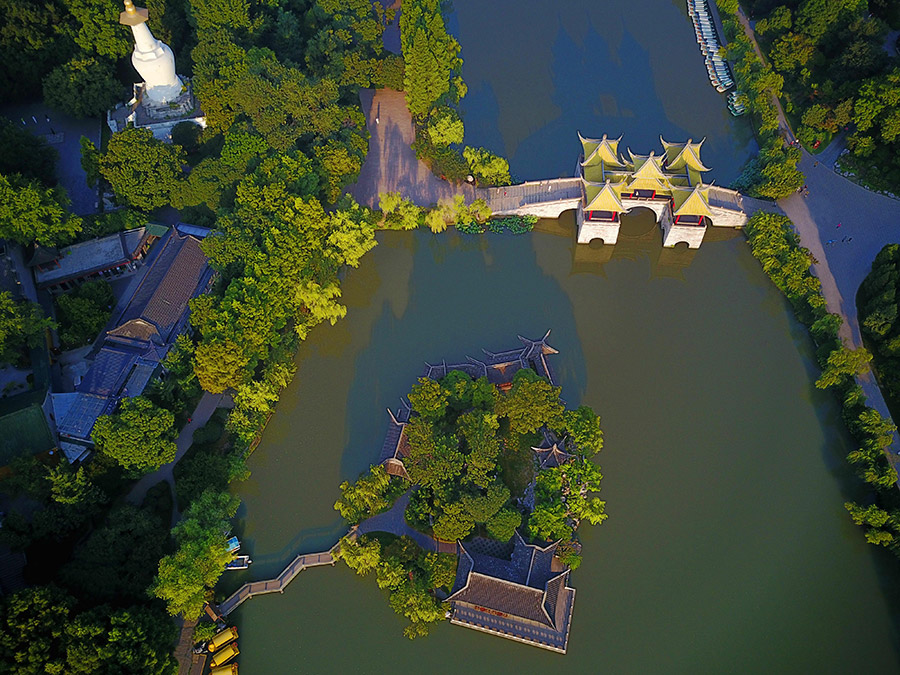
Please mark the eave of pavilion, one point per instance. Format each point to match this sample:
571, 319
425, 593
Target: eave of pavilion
681, 155
602, 151
604, 196
691, 202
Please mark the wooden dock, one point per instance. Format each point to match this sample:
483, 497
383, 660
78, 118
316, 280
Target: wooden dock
278, 584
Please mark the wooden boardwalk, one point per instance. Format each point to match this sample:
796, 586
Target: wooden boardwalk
278, 584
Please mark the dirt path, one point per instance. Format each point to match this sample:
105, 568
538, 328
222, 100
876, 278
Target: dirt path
783, 123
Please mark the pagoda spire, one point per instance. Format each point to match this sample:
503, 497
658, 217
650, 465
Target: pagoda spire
152, 59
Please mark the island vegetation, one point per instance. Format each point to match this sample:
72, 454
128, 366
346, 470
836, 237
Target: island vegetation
472, 471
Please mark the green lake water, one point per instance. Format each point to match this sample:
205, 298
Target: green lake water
727, 548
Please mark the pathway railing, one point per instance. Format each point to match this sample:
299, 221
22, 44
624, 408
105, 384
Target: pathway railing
278, 584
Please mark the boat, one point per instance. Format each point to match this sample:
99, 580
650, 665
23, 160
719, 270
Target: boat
233, 544
230, 669
221, 639
224, 655
240, 562
708, 40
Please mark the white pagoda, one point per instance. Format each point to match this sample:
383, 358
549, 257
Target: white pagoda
162, 100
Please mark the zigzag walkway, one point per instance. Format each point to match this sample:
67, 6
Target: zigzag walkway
278, 584
391, 521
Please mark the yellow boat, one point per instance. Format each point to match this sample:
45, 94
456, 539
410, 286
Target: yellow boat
230, 669
227, 652
219, 640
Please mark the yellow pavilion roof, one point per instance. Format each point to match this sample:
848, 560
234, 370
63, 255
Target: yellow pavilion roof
691, 202
647, 166
603, 196
654, 184
681, 155
597, 150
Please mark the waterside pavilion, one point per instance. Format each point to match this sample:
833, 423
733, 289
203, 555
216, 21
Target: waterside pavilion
524, 596
670, 184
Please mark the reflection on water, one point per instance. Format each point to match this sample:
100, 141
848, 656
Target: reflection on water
539, 71
639, 238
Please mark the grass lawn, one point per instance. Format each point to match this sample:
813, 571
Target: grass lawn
23, 432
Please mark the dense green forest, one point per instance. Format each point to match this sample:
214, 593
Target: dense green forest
470, 462
833, 70
279, 84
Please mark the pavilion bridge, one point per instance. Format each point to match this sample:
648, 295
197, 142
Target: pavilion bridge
608, 186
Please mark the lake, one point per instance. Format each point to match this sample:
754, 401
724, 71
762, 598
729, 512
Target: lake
727, 547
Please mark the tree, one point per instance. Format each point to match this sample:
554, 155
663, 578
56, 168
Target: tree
73, 487
83, 87
33, 631
142, 171
140, 436
503, 524
90, 161
531, 403
428, 399
370, 494
339, 167
430, 56
584, 430
83, 313
362, 556
399, 213
184, 577
98, 28
31, 213
132, 640
118, 560
445, 127
22, 324
219, 365
488, 168
842, 364
484, 505
791, 51
26, 154
453, 523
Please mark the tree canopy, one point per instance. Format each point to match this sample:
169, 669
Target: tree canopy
140, 436
143, 171
31, 213
185, 576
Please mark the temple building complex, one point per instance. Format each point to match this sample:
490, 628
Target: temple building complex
132, 353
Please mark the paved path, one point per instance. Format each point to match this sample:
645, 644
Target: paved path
391, 164
868, 218
204, 410
67, 141
393, 521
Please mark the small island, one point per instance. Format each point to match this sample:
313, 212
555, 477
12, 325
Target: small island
473, 512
